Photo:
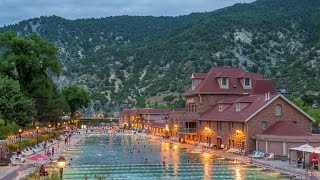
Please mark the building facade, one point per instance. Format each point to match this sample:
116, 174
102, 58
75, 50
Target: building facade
229, 107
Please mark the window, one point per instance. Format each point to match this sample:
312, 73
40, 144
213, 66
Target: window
232, 124
220, 107
229, 142
229, 123
264, 124
237, 107
278, 110
247, 82
232, 143
224, 81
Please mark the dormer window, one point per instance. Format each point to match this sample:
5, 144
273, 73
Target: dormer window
220, 107
247, 82
237, 107
224, 82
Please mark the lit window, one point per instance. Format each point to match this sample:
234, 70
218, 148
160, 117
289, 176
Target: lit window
264, 124
247, 82
278, 110
224, 81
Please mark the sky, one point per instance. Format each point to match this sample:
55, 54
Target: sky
13, 11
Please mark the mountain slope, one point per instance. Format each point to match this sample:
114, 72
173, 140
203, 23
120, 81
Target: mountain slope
131, 59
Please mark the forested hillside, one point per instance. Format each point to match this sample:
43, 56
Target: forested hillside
129, 60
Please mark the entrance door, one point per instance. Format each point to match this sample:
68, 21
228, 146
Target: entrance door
219, 142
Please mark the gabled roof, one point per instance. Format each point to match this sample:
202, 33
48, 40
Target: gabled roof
285, 128
209, 84
253, 105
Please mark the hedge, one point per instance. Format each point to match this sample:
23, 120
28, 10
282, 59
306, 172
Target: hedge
32, 141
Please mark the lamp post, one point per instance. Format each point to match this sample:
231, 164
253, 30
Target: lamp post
37, 128
20, 132
49, 130
61, 164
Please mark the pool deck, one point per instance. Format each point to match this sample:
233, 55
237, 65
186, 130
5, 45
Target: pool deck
274, 165
23, 170
18, 172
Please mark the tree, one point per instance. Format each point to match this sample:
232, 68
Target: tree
14, 105
30, 59
76, 97
308, 99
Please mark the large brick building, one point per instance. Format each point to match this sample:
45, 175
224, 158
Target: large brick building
235, 108
232, 107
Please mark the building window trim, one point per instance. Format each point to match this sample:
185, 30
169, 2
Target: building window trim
264, 125
224, 82
247, 82
238, 107
279, 110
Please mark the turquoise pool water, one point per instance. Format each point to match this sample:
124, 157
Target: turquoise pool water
136, 157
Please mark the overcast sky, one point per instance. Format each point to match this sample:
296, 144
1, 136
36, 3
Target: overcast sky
13, 11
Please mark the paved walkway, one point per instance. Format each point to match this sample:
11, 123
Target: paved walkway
18, 172
275, 165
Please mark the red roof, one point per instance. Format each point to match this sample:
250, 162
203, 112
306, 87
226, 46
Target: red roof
263, 86
210, 83
136, 112
286, 128
248, 106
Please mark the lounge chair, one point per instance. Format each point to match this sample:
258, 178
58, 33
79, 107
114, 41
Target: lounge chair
25, 153
251, 154
270, 157
242, 152
258, 155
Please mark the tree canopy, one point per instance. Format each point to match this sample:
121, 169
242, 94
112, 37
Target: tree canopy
76, 97
14, 105
29, 60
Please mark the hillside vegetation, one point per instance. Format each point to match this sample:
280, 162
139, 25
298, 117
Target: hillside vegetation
125, 60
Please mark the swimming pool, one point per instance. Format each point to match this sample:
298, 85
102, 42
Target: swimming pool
121, 156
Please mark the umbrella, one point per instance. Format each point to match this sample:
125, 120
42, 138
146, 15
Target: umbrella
39, 157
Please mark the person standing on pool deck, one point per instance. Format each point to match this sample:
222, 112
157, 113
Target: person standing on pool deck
52, 151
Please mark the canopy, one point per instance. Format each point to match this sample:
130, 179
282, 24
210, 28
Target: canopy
304, 148
38, 157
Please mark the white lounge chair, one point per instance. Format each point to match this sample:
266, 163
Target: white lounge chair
270, 157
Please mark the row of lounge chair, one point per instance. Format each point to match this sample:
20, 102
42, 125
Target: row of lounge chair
240, 152
18, 159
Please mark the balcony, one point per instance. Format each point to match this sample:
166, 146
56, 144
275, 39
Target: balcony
188, 131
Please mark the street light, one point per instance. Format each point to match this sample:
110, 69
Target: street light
37, 134
20, 132
61, 164
49, 130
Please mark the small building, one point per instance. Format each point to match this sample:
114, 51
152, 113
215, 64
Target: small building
141, 118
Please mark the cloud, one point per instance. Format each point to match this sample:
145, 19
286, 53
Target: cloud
13, 11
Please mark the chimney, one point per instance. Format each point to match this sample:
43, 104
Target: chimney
268, 95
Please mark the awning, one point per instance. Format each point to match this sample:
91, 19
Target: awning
305, 148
